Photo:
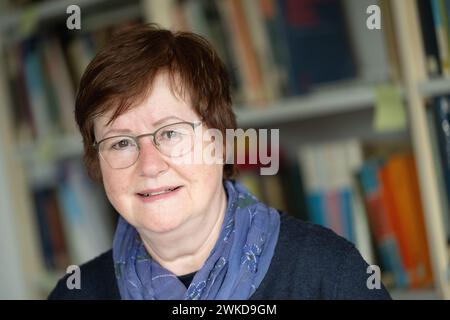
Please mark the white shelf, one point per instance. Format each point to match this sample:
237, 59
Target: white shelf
422, 294
435, 87
39, 158
319, 103
326, 102
59, 147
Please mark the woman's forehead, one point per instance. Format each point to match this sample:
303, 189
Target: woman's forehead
161, 101
143, 118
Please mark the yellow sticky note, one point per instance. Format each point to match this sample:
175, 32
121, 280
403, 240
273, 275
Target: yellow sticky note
390, 111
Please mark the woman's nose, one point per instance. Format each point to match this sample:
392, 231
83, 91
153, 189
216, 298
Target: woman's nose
151, 162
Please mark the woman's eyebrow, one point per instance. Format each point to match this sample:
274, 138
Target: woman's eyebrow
165, 119
155, 124
116, 131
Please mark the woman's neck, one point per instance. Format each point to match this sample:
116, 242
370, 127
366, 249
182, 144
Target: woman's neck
185, 249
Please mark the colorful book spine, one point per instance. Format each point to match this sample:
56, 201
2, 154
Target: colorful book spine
381, 224
40, 200
327, 171
245, 52
441, 109
433, 126
37, 95
405, 210
316, 38
442, 35
429, 38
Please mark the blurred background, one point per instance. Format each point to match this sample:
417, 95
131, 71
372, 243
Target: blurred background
359, 90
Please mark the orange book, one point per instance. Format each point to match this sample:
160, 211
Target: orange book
246, 51
401, 192
381, 222
395, 219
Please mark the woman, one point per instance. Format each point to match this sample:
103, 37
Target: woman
186, 231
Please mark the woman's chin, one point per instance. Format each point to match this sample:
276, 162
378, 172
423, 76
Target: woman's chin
162, 225
161, 218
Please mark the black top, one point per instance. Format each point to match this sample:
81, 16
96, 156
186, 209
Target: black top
187, 278
310, 262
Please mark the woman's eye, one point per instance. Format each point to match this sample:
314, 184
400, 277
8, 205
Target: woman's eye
122, 144
170, 134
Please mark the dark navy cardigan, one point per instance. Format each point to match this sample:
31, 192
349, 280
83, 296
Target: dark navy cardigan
310, 262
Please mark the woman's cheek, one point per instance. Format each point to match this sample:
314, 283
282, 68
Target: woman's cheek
114, 192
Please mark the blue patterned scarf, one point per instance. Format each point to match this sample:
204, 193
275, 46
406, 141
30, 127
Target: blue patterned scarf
234, 270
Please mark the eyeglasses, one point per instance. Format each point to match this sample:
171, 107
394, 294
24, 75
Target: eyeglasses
173, 140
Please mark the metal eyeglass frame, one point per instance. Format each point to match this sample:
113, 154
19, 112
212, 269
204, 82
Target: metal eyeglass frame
96, 144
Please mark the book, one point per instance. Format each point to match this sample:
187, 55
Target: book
57, 232
381, 224
365, 241
60, 84
47, 250
87, 217
315, 197
391, 40
316, 37
293, 186
440, 107
260, 37
271, 16
430, 42
438, 10
433, 126
403, 205
24, 126
327, 172
203, 17
245, 54
80, 51
35, 82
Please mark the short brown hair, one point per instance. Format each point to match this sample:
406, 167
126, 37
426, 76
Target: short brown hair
121, 74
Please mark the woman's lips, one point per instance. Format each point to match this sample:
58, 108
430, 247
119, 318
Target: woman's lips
158, 194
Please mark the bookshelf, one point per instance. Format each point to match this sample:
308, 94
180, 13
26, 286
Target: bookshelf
434, 87
316, 104
349, 98
49, 10
20, 253
410, 47
417, 295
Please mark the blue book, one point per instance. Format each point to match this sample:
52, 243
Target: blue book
316, 203
446, 5
441, 111
429, 34
41, 198
317, 43
440, 22
348, 214
36, 91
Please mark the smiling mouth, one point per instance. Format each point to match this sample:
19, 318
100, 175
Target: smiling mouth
157, 193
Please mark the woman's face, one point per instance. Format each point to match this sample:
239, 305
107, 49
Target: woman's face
200, 185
